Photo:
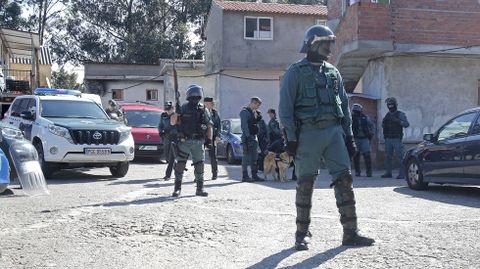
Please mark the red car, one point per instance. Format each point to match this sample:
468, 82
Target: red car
144, 120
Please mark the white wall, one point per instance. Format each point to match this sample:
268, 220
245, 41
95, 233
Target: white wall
137, 93
235, 93
430, 90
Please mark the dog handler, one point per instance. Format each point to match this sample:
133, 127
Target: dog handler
314, 112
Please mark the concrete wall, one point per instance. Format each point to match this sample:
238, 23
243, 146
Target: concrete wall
137, 93
288, 32
187, 78
99, 69
214, 43
430, 90
235, 93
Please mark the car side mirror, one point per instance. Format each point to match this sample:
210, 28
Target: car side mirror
113, 116
429, 137
27, 115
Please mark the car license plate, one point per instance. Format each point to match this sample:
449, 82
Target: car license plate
98, 151
143, 147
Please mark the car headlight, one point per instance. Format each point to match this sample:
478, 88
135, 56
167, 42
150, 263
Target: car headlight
12, 133
124, 134
60, 131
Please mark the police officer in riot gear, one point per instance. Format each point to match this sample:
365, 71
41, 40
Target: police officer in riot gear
393, 124
315, 114
212, 145
113, 110
194, 127
363, 132
168, 133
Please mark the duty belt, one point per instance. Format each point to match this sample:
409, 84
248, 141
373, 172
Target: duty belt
322, 124
193, 136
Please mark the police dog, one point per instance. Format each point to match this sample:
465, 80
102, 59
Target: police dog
272, 162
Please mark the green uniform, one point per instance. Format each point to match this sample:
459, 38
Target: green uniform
212, 151
274, 130
249, 127
168, 132
192, 133
314, 111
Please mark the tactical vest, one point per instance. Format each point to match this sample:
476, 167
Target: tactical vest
252, 122
316, 102
392, 129
360, 126
192, 123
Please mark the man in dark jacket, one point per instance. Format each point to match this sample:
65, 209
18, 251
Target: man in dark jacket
363, 132
249, 118
393, 124
212, 145
168, 133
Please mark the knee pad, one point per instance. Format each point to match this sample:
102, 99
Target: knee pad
180, 166
198, 167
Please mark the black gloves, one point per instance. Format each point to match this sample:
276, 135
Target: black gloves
352, 149
291, 147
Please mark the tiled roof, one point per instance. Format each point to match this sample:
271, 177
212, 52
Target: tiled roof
316, 10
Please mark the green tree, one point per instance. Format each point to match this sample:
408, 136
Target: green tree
45, 16
62, 79
11, 14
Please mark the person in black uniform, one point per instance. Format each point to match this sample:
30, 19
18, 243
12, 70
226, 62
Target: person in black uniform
212, 147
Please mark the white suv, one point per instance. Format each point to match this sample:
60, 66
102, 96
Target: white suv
71, 131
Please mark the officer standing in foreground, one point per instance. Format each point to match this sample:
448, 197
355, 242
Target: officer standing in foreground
168, 132
393, 124
194, 128
212, 145
315, 114
249, 118
363, 132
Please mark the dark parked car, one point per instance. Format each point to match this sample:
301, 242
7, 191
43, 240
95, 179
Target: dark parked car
230, 145
450, 155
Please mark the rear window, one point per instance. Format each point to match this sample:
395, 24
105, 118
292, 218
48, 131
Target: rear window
71, 109
143, 118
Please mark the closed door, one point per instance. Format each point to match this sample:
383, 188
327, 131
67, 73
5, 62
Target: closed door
444, 158
472, 153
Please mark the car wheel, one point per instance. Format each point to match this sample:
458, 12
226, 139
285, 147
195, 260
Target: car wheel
120, 170
47, 168
230, 156
415, 176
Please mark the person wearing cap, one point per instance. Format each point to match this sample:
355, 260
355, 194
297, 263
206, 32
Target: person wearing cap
314, 111
393, 124
249, 118
212, 145
363, 132
168, 132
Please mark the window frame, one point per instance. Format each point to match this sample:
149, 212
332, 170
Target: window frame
151, 90
451, 121
258, 28
122, 91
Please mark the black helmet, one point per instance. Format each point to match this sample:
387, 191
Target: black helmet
316, 33
357, 107
194, 90
391, 100
112, 103
168, 105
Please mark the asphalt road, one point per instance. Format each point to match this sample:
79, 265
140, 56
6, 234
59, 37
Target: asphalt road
93, 221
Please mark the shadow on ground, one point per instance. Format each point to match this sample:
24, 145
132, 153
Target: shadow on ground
458, 195
272, 261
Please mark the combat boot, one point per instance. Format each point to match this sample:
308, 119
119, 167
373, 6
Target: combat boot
178, 188
245, 177
214, 175
368, 164
255, 176
353, 238
200, 191
302, 240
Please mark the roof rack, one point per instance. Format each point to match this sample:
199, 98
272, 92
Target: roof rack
53, 91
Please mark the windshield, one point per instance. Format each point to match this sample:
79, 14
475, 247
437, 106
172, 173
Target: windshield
71, 109
143, 118
236, 128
